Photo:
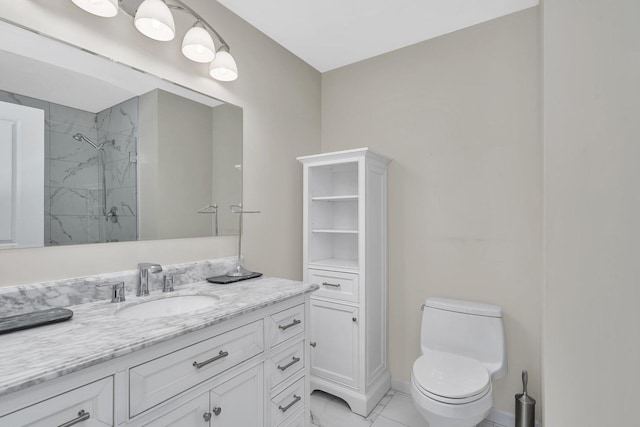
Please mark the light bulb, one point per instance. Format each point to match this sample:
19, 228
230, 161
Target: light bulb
223, 67
154, 20
103, 8
197, 45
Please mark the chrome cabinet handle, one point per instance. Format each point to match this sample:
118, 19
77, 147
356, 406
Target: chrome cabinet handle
217, 410
213, 359
207, 416
82, 416
333, 285
285, 327
296, 399
313, 344
288, 365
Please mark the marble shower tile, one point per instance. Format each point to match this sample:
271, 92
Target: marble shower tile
64, 147
73, 174
125, 230
66, 119
47, 200
119, 118
121, 173
124, 199
47, 229
70, 201
122, 145
67, 229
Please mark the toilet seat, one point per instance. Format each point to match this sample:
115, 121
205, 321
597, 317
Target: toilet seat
450, 378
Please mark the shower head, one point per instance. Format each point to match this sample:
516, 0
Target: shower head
80, 137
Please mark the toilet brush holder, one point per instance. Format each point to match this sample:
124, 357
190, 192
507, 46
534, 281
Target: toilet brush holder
525, 405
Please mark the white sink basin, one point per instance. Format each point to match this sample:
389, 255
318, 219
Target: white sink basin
169, 306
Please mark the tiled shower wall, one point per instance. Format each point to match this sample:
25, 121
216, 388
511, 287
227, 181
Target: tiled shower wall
118, 126
73, 201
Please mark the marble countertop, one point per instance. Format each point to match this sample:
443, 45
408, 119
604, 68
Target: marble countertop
94, 335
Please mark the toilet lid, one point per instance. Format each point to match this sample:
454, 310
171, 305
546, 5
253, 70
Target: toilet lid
451, 376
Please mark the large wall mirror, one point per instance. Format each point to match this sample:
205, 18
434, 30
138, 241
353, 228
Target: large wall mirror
94, 151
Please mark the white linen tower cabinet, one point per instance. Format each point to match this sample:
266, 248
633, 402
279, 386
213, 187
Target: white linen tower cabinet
345, 253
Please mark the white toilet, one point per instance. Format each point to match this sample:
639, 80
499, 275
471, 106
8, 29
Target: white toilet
464, 350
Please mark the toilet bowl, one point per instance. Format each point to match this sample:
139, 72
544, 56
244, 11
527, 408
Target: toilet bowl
463, 351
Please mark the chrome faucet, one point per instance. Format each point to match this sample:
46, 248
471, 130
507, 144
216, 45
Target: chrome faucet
144, 268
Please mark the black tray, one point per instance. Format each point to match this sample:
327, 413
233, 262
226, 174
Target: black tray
224, 280
36, 318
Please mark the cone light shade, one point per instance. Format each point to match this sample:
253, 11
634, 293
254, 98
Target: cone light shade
154, 20
103, 8
198, 46
223, 67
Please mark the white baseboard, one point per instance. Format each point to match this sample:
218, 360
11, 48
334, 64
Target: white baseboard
498, 416
401, 386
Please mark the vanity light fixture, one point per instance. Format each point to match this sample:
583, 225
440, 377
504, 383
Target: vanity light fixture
154, 19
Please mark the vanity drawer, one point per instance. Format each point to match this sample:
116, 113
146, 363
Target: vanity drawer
154, 382
285, 363
286, 324
288, 402
295, 420
90, 405
335, 285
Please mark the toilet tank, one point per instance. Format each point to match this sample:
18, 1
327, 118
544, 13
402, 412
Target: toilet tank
468, 329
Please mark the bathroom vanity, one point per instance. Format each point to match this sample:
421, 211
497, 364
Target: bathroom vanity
240, 358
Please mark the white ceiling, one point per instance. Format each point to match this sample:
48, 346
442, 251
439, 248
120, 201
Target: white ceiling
328, 34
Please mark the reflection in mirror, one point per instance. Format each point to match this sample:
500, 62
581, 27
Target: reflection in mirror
120, 155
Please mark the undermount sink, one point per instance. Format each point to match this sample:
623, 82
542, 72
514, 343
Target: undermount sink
169, 306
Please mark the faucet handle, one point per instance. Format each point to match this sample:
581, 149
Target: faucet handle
169, 280
117, 290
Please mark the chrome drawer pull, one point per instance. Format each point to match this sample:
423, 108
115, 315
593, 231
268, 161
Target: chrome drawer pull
217, 410
82, 416
296, 399
333, 285
285, 327
288, 365
213, 359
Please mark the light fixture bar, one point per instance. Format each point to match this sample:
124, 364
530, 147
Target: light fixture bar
185, 8
154, 19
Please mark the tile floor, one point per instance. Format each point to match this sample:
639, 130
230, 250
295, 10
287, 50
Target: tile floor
394, 410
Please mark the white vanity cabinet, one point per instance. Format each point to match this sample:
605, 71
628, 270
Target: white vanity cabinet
247, 371
345, 254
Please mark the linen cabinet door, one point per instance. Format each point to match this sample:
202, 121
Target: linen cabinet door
334, 342
194, 413
239, 401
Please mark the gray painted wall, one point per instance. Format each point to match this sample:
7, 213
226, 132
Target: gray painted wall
460, 117
592, 205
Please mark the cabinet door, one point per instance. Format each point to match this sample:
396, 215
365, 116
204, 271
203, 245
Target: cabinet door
239, 401
194, 413
334, 332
